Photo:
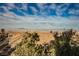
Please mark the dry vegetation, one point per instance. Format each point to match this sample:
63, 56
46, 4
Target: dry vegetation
39, 43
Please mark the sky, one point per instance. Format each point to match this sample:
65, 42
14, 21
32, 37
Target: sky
39, 15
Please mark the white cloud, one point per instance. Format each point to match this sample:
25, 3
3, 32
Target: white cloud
74, 11
34, 10
38, 22
7, 12
52, 6
44, 9
60, 10
10, 5
9, 18
24, 6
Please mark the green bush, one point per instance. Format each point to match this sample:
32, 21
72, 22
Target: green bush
58, 47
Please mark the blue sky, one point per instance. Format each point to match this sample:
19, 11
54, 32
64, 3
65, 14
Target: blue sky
48, 9
52, 15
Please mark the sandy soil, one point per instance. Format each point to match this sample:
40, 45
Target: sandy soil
16, 36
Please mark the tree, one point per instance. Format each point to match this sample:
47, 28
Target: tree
62, 43
27, 46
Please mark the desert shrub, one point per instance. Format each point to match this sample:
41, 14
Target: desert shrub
62, 45
59, 47
5, 47
27, 46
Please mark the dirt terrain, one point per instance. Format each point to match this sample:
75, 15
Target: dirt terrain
16, 37
45, 36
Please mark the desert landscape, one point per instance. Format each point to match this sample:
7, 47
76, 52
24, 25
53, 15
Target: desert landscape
39, 29
41, 43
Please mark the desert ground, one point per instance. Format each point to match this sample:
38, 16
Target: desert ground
16, 37
45, 36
